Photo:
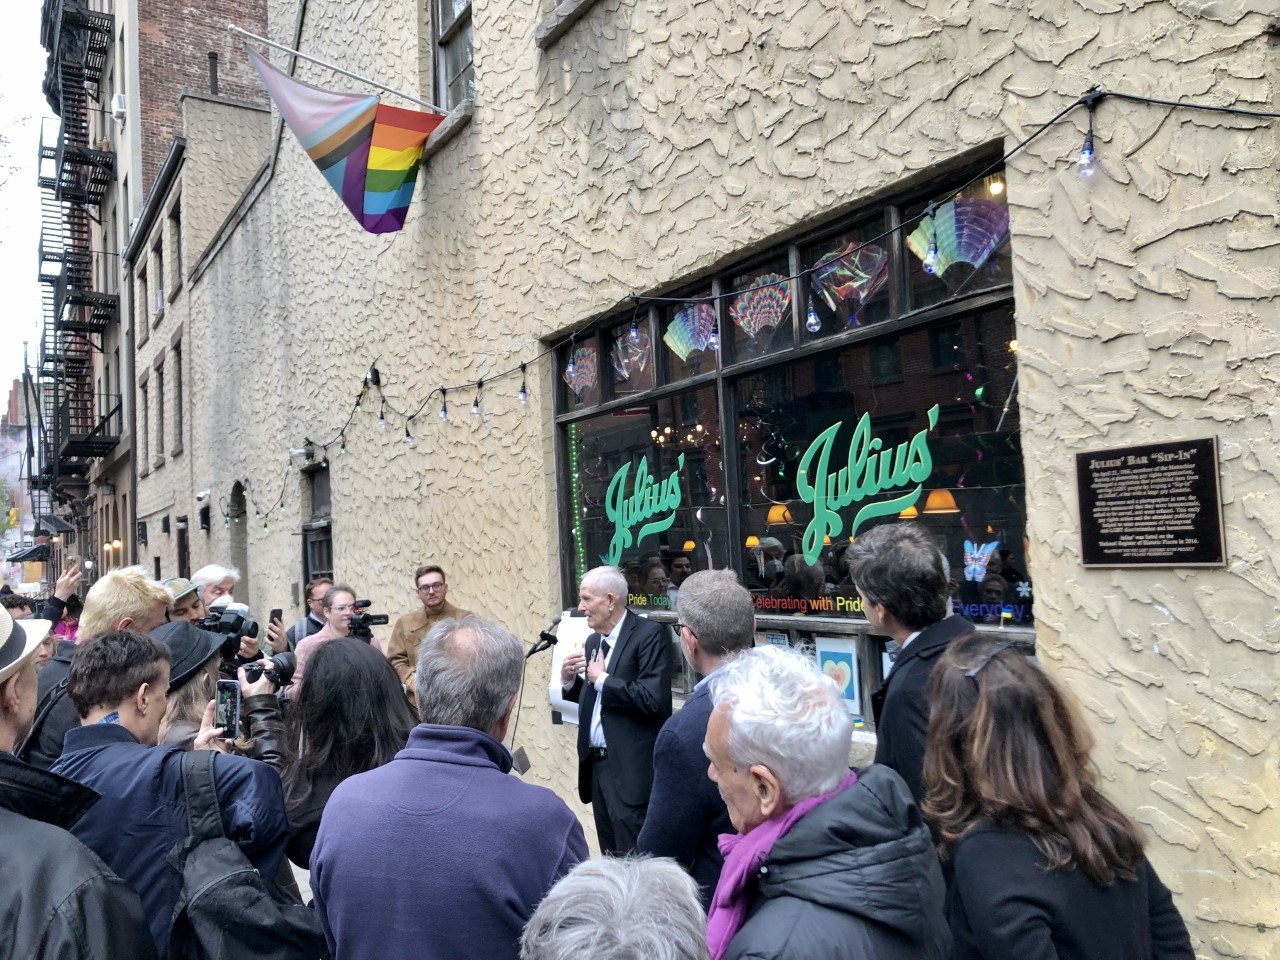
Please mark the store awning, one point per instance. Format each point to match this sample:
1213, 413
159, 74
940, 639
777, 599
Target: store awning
33, 554
51, 524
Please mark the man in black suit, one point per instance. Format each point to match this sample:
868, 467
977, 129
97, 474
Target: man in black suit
624, 700
902, 578
686, 812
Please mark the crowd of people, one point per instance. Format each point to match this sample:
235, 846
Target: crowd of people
137, 821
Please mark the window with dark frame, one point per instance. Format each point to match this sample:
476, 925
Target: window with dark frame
317, 532
144, 414
177, 398
872, 335
455, 71
159, 416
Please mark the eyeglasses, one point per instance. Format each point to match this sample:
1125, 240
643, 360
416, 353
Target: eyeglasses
972, 672
683, 626
430, 587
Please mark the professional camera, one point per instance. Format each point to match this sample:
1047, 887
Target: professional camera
359, 624
279, 670
231, 622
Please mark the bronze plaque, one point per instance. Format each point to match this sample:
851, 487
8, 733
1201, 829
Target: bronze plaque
1155, 505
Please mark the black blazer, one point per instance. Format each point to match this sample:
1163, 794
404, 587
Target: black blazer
636, 701
900, 708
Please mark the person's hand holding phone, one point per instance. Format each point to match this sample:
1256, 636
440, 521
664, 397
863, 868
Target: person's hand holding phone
210, 736
276, 635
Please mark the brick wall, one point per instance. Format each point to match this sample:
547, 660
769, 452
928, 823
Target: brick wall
174, 42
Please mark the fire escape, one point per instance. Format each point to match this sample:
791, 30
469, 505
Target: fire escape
76, 422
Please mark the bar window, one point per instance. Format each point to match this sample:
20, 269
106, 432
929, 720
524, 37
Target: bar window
455, 77
646, 483
759, 310
827, 453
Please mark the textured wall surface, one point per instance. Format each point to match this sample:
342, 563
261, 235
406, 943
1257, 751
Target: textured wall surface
655, 141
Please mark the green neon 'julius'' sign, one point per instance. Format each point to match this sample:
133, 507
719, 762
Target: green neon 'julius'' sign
869, 471
648, 499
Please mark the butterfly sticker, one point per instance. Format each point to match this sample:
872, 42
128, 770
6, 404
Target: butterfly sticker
976, 559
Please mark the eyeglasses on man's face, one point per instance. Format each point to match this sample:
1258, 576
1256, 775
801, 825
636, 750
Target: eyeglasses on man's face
431, 587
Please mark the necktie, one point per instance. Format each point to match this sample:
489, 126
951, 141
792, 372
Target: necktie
604, 648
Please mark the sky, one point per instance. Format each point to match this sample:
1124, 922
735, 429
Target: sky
22, 107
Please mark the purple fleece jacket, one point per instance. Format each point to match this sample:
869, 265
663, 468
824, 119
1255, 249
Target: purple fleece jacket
441, 853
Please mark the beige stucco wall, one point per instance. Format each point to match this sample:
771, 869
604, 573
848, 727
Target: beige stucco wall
659, 140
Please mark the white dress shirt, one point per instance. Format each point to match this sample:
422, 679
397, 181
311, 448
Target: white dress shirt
597, 728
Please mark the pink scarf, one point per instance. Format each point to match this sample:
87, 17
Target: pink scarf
743, 855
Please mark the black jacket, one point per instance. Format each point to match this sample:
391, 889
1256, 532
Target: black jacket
901, 711
856, 878
636, 702
58, 900
45, 746
686, 813
1004, 905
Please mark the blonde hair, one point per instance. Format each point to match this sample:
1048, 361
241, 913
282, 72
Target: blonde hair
125, 594
187, 704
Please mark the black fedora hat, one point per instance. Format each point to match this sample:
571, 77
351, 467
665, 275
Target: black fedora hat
189, 649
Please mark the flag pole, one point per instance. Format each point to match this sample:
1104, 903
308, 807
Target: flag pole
231, 27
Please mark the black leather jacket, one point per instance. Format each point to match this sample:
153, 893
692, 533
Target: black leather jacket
58, 900
265, 726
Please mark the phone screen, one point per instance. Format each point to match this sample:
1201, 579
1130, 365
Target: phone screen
226, 713
277, 614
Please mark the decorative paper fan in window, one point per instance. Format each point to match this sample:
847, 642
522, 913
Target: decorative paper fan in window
691, 330
762, 308
851, 276
585, 370
967, 230
631, 356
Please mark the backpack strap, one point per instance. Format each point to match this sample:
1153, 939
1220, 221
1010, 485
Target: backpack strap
204, 817
42, 713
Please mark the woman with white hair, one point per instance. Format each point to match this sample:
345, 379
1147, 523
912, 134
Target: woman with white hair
826, 862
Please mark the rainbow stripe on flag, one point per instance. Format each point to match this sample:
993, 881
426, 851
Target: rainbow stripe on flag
368, 151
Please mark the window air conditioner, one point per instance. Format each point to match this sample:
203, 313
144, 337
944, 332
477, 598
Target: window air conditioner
119, 106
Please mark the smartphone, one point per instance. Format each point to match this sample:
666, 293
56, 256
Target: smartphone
226, 712
277, 616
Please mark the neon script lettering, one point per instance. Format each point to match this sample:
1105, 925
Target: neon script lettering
648, 499
869, 470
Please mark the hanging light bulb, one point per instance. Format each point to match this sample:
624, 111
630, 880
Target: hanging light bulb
523, 395
342, 443
634, 335
813, 324
475, 403
444, 407
713, 341
1085, 161
382, 415
930, 262
408, 437
570, 368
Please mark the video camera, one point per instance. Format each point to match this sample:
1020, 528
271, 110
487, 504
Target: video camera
231, 622
359, 624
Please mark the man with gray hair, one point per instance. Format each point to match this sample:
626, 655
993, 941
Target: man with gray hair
686, 815
619, 909
441, 853
827, 863
622, 682
901, 578
213, 581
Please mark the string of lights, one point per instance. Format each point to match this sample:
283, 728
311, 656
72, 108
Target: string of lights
1085, 162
